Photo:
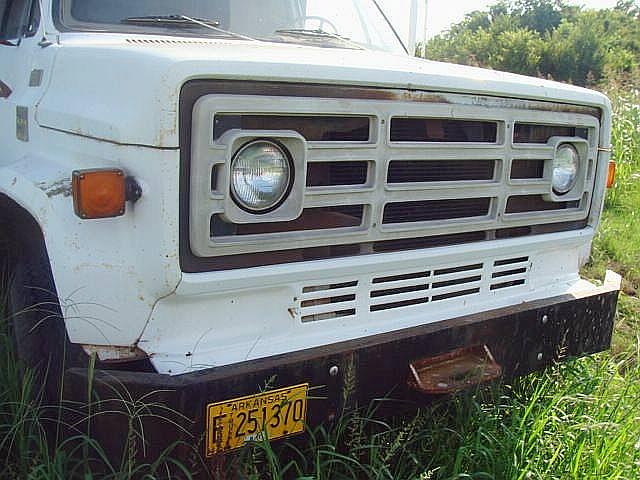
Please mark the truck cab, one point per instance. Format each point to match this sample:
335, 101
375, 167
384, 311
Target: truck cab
214, 197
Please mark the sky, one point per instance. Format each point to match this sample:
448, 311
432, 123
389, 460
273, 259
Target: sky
442, 13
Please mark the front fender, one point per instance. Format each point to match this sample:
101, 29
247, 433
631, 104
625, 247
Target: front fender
108, 273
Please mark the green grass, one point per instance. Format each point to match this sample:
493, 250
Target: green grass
578, 420
617, 244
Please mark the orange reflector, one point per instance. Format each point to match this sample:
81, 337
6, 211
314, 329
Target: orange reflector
611, 176
99, 193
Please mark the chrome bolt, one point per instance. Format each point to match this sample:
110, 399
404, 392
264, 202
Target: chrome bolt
539, 356
333, 371
545, 319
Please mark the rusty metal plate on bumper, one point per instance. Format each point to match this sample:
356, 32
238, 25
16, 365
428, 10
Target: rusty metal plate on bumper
264, 416
454, 371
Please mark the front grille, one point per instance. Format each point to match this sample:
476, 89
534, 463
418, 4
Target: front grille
388, 176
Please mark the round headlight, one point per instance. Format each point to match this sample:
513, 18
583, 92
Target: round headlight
261, 176
565, 169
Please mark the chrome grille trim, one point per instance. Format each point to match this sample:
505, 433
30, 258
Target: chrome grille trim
375, 193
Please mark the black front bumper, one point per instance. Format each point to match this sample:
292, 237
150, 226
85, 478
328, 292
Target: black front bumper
522, 338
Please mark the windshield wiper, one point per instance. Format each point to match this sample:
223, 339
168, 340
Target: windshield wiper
181, 21
170, 20
318, 33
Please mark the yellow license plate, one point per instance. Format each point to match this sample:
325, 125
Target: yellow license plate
270, 415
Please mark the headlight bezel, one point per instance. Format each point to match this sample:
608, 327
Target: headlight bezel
290, 206
576, 192
281, 198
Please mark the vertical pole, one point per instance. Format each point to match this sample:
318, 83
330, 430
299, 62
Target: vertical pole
425, 32
413, 26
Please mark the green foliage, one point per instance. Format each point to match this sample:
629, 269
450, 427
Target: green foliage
546, 38
575, 51
541, 16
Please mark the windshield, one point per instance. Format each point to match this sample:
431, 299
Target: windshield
326, 23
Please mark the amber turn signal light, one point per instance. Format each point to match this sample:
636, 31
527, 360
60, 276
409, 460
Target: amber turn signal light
611, 175
99, 193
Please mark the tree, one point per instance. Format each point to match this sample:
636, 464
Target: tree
542, 16
546, 38
576, 52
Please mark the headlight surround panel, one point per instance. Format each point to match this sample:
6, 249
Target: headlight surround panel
289, 203
574, 189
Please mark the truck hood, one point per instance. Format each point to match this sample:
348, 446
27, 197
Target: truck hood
125, 88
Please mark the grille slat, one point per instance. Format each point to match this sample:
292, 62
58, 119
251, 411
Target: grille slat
392, 297
329, 315
423, 171
536, 133
453, 295
509, 276
320, 295
321, 218
498, 270
320, 309
536, 203
312, 127
456, 277
514, 283
442, 130
430, 210
527, 169
428, 242
335, 174
456, 281
451, 289
399, 284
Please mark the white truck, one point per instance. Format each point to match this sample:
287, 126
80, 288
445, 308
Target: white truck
215, 196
